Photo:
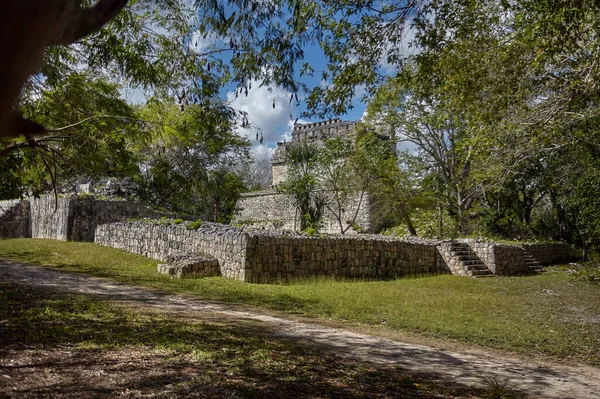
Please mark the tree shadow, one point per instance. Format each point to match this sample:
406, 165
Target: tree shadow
57, 344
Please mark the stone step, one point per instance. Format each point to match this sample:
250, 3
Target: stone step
481, 273
473, 262
476, 267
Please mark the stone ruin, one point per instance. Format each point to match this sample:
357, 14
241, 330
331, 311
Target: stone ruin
272, 210
262, 256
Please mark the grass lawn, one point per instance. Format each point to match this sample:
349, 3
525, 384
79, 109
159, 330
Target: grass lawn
551, 314
58, 345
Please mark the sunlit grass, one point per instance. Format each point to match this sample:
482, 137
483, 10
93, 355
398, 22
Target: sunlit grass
221, 359
551, 314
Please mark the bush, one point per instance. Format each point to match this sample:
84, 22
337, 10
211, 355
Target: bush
589, 272
195, 225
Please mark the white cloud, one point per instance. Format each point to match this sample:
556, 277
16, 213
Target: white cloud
202, 43
406, 48
274, 124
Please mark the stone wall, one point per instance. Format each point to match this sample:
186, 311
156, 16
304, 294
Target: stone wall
510, 260
50, 217
265, 256
89, 213
501, 259
15, 220
549, 254
160, 241
73, 219
279, 173
277, 257
271, 210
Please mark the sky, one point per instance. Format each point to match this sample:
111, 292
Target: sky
276, 123
269, 110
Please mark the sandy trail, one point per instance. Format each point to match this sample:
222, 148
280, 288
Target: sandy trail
536, 378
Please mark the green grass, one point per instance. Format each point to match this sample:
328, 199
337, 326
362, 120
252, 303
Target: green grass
169, 355
551, 314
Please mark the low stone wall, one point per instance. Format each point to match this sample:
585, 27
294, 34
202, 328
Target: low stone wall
74, 219
509, 261
501, 259
549, 254
15, 220
160, 241
273, 257
274, 211
267, 256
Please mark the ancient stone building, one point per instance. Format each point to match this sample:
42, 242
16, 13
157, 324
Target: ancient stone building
315, 132
271, 210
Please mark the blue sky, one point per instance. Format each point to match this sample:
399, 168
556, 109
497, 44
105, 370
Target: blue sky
275, 124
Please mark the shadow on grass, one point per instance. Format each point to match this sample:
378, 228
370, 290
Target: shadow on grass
54, 344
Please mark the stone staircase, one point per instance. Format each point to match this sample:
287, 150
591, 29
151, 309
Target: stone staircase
532, 264
469, 263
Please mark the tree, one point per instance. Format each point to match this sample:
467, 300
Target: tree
97, 137
28, 27
348, 170
302, 184
187, 162
258, 173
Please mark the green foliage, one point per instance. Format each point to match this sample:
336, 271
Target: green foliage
589, 272
302, 183
96, 141
92, 328
309, 232
188, 160
195, 225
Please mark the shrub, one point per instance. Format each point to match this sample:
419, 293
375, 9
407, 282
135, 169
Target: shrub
589, 272
195, 225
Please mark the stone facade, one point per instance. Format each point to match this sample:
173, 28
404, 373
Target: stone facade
64, 218
549, 254
15, 219
271, 210
160, 241
315, 132
261, 256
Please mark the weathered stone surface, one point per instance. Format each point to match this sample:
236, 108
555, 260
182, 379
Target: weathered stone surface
263, 256
74, 219
15, 219
167, 241
271, 210
190, 266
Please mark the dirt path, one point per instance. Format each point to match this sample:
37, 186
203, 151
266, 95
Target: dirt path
542, 380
